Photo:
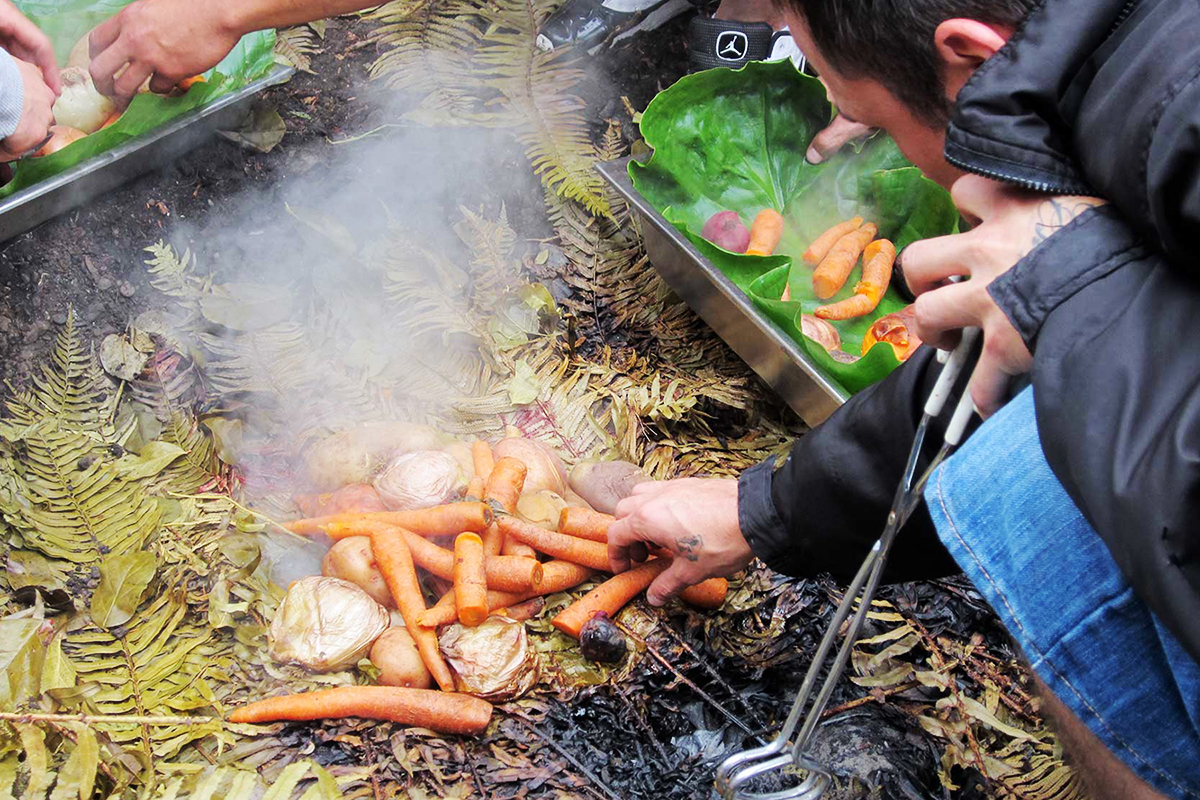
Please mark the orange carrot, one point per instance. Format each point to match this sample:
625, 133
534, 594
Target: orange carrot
470, 584
505, 573
585, 523
481, 453
569, 548
502, 490
395, 562
188, 83
609, 597
445, 712
517, 549
450, 519
525, 610
708, 594
765, 232
876, 275
559, 576
831, 274
821, 246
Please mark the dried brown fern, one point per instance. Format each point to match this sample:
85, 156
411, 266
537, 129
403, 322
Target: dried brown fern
427, 45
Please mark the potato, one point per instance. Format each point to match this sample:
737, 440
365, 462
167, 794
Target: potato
462, 451
357, 454
395, 654
603, 484
546, 469
725, 229
541, 508
357, 497
351, 560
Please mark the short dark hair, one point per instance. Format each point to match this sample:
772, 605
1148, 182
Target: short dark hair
892, 41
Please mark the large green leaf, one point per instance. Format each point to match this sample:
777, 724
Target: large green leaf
726, 140
66, 22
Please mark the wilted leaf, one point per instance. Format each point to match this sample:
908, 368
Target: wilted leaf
227, 434
77, 777
37, 760
21, 657
151, 460
8, 776
120, 358
292, 774
261, 131
246, 306
976, 710
523, 386
57, 670
29, 568
123, 580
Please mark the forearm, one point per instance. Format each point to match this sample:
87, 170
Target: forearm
244, 16
12, 95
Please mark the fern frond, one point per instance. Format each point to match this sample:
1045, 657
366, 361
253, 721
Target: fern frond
428, 44
275, 360
295, 47
495, 271
174, 275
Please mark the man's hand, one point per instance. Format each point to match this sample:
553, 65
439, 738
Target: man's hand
167, 39
1011, 222
695, 519
831, 139
22, 39
37, 115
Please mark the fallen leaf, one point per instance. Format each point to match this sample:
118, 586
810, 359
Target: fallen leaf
262, 130
522, 386
120, 358
150, 460
124, 578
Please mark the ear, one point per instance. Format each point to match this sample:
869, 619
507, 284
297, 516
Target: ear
962, 45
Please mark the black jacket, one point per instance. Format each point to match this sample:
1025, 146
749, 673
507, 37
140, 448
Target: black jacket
1097, 97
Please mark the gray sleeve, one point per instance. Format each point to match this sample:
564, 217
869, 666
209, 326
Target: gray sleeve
12, 95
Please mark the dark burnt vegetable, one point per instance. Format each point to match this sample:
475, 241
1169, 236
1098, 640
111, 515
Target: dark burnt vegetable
600, 640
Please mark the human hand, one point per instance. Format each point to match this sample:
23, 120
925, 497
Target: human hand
696, 519
1009, 224
37, 114
832, 137
22, 39
165, 40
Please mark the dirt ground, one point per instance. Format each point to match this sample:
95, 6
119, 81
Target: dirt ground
90, 258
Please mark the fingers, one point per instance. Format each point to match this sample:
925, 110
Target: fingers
103, 36
829, 140
129, 81
625, 544
161, 84
939, 315
930, 263
106, 64
673, 580
1004, 355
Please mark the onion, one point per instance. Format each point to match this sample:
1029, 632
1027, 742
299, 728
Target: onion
422, 479
60, 137
325, 624
80, 105
820, 331
897, 330
546, 469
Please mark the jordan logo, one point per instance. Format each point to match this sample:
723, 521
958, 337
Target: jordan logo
731, 45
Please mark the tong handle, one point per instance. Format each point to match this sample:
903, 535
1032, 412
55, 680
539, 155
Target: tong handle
950, 372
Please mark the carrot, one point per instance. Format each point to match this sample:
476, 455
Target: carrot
502, 490
517, 549
585, 523
395, 562
765, 232
569, 548
188, 83
474, 489
524, 610
708, 594
609, 597
445, 712
481, 453
831, 273
559, 576
876, 275
470, 584
449, 519
821, 246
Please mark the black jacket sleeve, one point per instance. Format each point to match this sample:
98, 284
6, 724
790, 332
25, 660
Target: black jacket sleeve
824, 508
1116, 380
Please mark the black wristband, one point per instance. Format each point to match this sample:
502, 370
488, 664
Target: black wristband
727, 43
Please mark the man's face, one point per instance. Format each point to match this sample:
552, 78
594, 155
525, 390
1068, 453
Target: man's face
867, 101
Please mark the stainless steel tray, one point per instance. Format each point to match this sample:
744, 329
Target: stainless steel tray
770, 352
127, 161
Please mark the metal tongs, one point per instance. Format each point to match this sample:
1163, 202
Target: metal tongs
736, 771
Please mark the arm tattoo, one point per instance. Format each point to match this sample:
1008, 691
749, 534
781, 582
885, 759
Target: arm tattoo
1056, 213
689, 546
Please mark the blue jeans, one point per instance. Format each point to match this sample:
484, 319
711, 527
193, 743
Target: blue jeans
1025, 545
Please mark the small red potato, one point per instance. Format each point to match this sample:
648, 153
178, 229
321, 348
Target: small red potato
351, 560
725, 229
399, 662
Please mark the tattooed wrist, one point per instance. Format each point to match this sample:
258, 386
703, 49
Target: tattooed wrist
1058, 212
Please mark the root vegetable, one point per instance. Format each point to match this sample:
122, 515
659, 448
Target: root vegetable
502, 490
395, 655
80, 56
421, 479
609, 597
517, 549
462, 452
470, 584
876, 275
356, 455
541, 508
585, 524
765, 233
820, 331
897, 330
358, 497
725, 230
351, 560
80, 105
709, 594
545, 469
558, 576
603, 484
600, 640
60, 136
446, 520
831, 274
396, 564
325, 624
821, 246
445, 712
481, 455
580, 551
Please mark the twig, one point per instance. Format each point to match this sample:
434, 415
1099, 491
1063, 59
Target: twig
474, 772
591, 776
653, 651
96, 719
715, 675
376, 790
240, 507
641, 721
366, 135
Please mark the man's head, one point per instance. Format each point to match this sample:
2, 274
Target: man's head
899, 64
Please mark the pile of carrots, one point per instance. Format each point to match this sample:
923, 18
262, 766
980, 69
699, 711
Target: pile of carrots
493, 566
834, 255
